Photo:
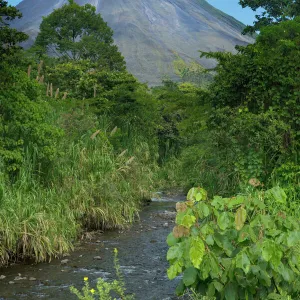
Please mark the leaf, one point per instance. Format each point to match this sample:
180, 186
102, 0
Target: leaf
293, 238
224, 221
197, 251
181, 207
180, 288
172, 240
190, 276
175, 252
218, 202
188, 221
196, 194
202, 210
219, 286
240, 218
235, 201
231, 291
271, 252
174, 270
243, 262
287, 273
277, 194
215, 269
209, 240
180, 231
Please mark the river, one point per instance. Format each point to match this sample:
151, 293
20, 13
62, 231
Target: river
142, 254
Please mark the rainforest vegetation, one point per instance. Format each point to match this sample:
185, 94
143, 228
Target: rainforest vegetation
83, 144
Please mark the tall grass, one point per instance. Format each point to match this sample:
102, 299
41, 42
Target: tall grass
92, 185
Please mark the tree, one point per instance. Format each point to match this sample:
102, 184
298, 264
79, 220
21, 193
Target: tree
274, 11
9, 38
77, 32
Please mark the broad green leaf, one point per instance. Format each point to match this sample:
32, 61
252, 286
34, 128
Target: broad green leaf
180, 288
218, 202
235, 201
205, 267
210, 240
277, 194
286, 272
174, 270
271, 252
293, 238
224, 221
243, 262
175, 252
171, 240
211, 290
188, 221
219, 286
197, 194
215, 269
197, 251
190, 276
231, 291
240, 218
203, 210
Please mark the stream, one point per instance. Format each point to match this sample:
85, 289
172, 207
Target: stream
142, 255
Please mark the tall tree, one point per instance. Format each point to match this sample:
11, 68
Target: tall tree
78, 32
273, 11
9, 37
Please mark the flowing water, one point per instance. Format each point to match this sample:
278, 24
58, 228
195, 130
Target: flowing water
142, 254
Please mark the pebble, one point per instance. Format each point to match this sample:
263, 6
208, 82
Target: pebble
2, 277
11, 282
64, 261
32, 279
20, 278
97, 257
166, 225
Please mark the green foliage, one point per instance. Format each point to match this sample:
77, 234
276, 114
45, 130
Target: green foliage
192, 72
9, 38
77, 32
235, 248
105, 290
24, 121
262, 77
273, 11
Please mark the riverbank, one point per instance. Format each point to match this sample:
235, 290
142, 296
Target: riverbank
142, 252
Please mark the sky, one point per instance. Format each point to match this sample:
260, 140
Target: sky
231, 7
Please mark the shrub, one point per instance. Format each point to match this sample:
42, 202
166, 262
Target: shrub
236, 248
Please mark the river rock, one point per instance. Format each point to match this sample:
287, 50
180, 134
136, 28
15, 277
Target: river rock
2, 277
65, 261
98, 258
11, 282
167, 215
20, 278
32, 279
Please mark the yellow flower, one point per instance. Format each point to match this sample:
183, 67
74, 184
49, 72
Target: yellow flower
85, 278
93, 291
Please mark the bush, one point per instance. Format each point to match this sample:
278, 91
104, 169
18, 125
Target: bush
236, 248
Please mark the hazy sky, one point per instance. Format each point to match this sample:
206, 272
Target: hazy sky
231, 7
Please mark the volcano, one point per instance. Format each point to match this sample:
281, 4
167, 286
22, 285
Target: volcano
151, 34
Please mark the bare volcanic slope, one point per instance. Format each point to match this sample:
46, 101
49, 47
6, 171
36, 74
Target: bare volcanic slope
150, 32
